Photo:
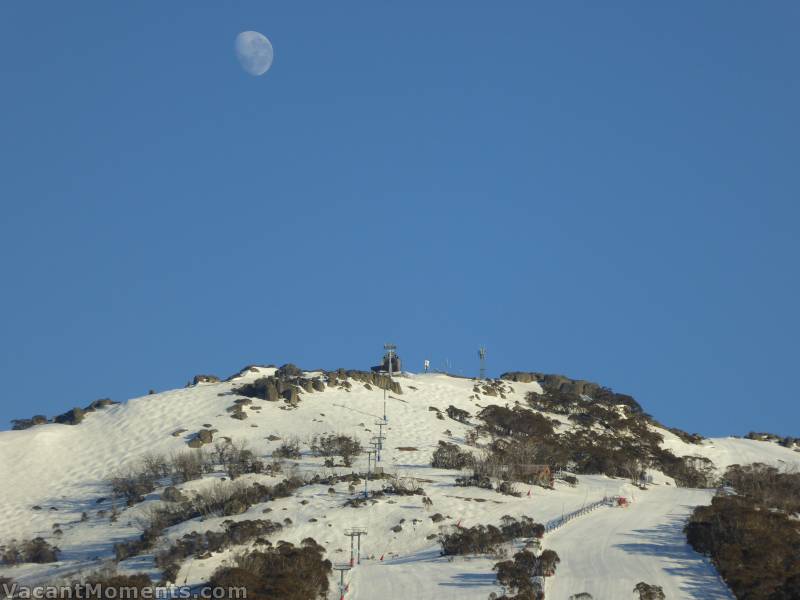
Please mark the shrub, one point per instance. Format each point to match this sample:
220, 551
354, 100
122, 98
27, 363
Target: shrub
337, 445
404, 486
752, 538
36, 550
689, 438
449, 456
518, 574
173, 494
288, 449
475, 480
223, 499
238, 459
132, 486
486, 539
517, 421
649, 592
189, 465
286, 571
458, 414
481, 539
196, 543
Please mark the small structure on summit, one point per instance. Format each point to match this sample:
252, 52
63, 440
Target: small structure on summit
391, 362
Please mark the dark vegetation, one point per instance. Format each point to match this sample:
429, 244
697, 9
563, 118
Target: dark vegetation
199, 545
518, 574
689, 438
487, 539
502, 421
332, 445
36, 550
753, 537
457, 414
613, 436
647, 591
285, 571
785, 441
449, 456
223, 499
604, 441
155, 470
110, 586
288, 449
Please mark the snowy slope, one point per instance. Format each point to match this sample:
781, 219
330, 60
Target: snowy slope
65, 470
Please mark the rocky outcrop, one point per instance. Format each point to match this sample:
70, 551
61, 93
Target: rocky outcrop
553, 382
28, 423
205, 379
201, 438
98, 404
249, 369
289, 381
71, 417
379, 380
286, 383
237, 412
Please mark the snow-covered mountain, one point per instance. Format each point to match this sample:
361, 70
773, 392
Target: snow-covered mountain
56, 484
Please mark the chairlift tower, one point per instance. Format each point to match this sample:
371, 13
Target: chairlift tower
370, 454
391, 352
342, 570
377, 445
380, 436
482, 356
353, 533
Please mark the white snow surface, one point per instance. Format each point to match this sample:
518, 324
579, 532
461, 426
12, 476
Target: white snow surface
65, 469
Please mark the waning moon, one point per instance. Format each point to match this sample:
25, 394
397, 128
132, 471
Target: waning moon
254, 52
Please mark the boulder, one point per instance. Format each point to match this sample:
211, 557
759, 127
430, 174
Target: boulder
27, 423
521, 376
205, 379
239, 414
201, 438
289, 370
290, 396
71, 417
102, 403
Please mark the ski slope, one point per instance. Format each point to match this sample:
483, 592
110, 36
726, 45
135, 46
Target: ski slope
64, 470
607, 552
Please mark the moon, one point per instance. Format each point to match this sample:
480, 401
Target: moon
254, 52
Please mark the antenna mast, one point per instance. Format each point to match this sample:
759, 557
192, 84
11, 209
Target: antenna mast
482, 356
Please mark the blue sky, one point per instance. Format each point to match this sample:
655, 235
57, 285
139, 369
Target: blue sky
605, 190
